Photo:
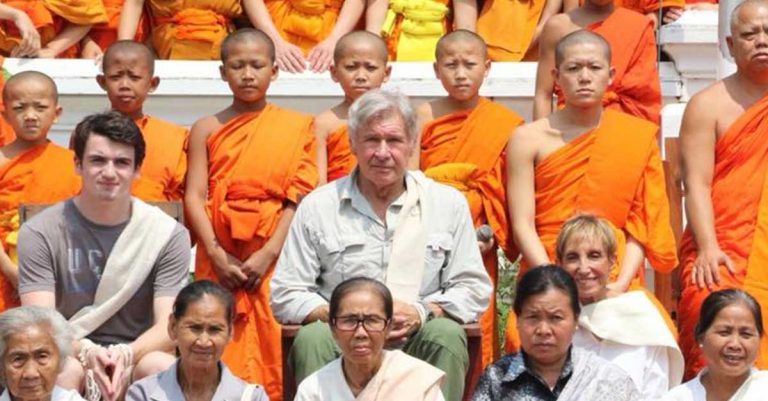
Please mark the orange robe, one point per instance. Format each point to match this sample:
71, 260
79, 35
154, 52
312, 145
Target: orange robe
341, 161
508, 28
105, 34
161, 177
617, 177
740, 205
466, 149
44, 173
50, 17
304, 23
6, 131
191, 29
256, 163
649, 6
635, 88
413, 27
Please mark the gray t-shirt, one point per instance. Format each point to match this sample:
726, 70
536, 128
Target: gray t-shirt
60, 251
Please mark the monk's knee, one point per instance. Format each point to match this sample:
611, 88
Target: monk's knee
72, 375
152, 363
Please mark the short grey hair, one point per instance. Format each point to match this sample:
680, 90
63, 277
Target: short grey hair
17, 320
379, 104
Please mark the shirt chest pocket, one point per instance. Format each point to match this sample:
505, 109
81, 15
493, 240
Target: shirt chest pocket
437, 257
341, 254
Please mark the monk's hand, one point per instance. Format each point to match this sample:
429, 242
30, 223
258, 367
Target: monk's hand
255, 267
405, 321
616, 288
289, 57
671, 14
706, 267
227, 269
46, 53
91, 50
30, 37
321, 56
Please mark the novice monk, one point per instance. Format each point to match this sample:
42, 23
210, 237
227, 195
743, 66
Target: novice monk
249, 165
635, 88
128, 77
102, 35
585, 158
462, 145
182, 29
32, 169
61, 24
359, 65
724, 145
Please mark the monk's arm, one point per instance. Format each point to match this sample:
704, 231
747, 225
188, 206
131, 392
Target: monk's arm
30, 37
321, 155
465, 14
321, 56
375, 14
8, 268
569, 5
258, 262
68, 37
521, 197
289, 56
634, 256
545, 82
551, 7
423, 116
129, 19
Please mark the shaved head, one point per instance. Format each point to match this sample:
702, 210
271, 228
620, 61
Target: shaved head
247, 35
129, 47
355, 37
581, 37
460, 35
742, 11
24, 77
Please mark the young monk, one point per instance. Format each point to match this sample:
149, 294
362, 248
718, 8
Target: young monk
635, 88
249, 165
60, 24
587, 158
128, 78
102, 35
359, 65
463, 144
32, 169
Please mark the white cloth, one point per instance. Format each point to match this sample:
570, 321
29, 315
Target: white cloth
595, 379
59, 394
406, 268
755, 388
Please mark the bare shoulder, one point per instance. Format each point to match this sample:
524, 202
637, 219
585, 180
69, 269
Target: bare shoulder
205, 126
711, 96
527, 137
325, 122
558, 26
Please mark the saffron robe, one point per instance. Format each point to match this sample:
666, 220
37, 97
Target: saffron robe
508, 27
341, 161
256, 163
44, 173
161, 177
648, 6
50, 17
304, 23
105, 34
466, 149
6, 131
740, 206
191, 29
413, 27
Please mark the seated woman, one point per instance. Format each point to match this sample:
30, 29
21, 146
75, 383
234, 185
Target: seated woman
361, 317
729, 330
200, 326
548, 367
34, 343
626, 329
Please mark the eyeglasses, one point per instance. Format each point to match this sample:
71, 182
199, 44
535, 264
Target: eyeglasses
371, 323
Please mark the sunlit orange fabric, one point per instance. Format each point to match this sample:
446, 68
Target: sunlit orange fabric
161, 177
648, 6
635, 88
105, 34
466, 149
740, 206
304, 22
44, 173
191, 29
508, 27
6, 132
617, 177
341, 161
50, 17
256, 163
413, 27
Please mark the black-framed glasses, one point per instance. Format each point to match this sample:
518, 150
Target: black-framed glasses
371, 323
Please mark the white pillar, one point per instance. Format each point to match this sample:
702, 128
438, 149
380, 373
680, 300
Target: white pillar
725, 65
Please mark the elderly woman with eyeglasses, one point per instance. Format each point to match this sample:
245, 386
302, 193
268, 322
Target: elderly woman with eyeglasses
361, 315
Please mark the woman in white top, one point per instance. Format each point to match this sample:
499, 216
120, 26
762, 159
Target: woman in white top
729, 330
626, 329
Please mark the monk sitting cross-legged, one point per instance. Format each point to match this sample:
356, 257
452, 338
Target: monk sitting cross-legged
586, 158
128, 77
463, 144
724, 145
32, 169
249, 165
360, 64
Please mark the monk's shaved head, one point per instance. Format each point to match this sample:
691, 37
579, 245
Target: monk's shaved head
743, 11
355, 37
460, 35
129, 47
578, 38
247, 35
26, 77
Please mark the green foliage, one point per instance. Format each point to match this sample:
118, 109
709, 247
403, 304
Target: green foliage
505, 292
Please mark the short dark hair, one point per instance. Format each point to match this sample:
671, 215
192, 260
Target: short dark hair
539, 280
578, 37
358, 283
719, 300
244, 34
196, 290
112, 125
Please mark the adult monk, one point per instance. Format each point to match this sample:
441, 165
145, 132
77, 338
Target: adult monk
32, 169
587, 158
128, 78
724, 143
249, 165
60, 25
360, 64
183, 29
102, 35
463, 145
304, 30
635, 87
